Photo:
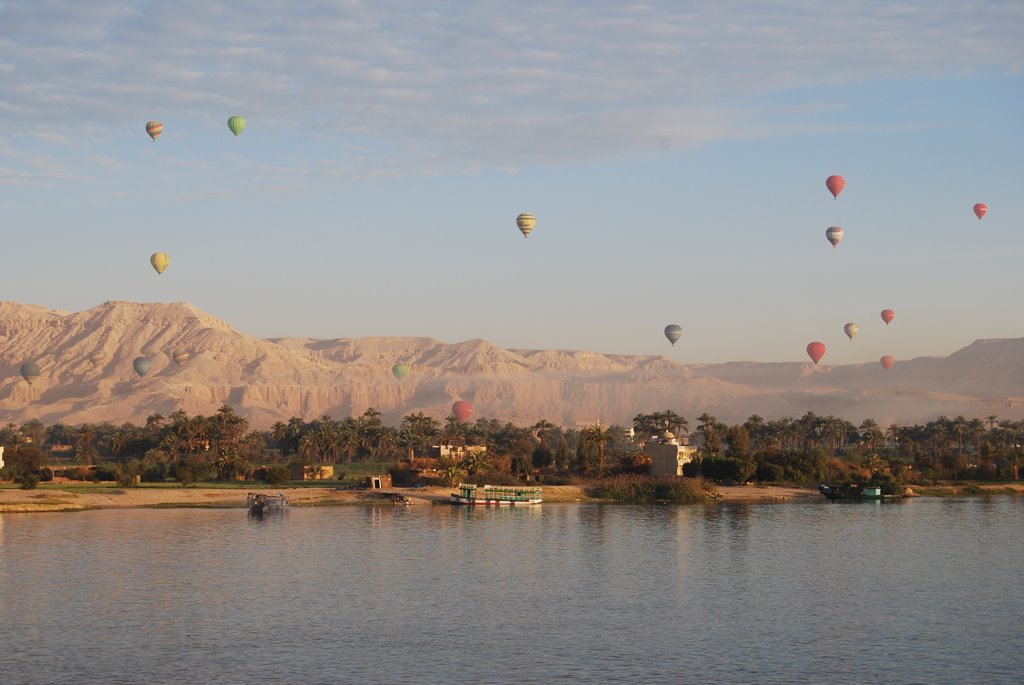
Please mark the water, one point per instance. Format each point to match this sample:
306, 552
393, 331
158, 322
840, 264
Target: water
921, 591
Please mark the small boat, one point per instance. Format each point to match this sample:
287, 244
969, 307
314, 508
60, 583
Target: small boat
260, 504
496, 495
850, 492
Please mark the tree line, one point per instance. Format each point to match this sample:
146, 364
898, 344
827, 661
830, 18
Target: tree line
811, 448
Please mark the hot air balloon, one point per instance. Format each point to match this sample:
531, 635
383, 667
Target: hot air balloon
816, 350
526, 222
181, 356
30, 372
835, 185
673, 332
400, 370
834, 234
142, 365
236, 124
980, 209
159, 260
462, 409
154, 129
851, 330
97, 358
888, 315
887, 361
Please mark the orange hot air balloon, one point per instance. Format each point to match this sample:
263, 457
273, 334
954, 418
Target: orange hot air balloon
462, 409
816, 350
887, 361
888, 315
154, 129
980, 209
835, 185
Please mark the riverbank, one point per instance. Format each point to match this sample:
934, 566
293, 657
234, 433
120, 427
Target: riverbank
103, 496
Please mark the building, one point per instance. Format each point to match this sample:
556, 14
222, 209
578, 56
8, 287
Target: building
667, 455
457, 452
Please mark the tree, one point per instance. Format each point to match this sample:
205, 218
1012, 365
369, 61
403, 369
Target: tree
85, 453
25, 463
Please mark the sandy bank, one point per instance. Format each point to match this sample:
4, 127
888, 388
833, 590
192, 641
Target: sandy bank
72, 498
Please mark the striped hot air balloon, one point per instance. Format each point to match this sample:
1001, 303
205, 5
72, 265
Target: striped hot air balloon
142, 365
154, 129
236, 124
526, 222
673, 332
834, 234
400, 370
180, 356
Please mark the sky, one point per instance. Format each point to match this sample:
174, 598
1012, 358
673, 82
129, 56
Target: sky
674, 154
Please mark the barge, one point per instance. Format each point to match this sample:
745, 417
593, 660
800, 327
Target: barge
260, 504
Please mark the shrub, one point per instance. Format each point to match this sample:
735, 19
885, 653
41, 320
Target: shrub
647, 489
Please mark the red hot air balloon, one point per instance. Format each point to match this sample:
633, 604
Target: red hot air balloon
887, 361
835, 185
462, 409
888, 315
980, 209
816, 350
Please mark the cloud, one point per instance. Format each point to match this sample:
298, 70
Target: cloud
473, 84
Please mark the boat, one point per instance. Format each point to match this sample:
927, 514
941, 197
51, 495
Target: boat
260, 503
496, 495
850, 492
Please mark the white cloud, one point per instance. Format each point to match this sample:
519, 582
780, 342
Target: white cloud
564, 83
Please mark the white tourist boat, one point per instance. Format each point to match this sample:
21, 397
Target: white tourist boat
497, 495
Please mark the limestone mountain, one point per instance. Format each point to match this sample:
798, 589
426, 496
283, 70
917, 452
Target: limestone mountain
86, 375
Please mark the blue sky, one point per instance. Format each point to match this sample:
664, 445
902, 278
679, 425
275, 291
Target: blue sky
674, 154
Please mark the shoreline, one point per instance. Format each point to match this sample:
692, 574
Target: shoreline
52, 499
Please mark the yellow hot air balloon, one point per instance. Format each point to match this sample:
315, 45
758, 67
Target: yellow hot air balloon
851, 330
159, 260
526, 222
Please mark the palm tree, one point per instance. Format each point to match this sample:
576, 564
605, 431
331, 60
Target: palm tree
599, 435
85, 453
279, 434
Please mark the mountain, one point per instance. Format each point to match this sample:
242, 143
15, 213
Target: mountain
86, 375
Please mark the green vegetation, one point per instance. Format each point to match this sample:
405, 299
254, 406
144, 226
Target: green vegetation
222, 451
646, 490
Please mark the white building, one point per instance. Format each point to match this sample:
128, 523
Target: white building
667, 455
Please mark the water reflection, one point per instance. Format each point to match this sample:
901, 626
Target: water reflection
568, 593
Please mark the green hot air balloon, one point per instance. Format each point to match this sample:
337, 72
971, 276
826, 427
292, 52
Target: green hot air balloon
400, 370
142, 365
30, 372
237, 125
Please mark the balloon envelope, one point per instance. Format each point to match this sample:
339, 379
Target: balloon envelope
888, 315
236, 124
462, 409
851, 330
526, 222
834, 234
181, 356
887, 361
835, 185
30, 372
816, 350
142, 365
159, 260
154, 129
673, 332
980, 209
400, 370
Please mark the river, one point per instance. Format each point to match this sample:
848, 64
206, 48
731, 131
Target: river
917, 591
